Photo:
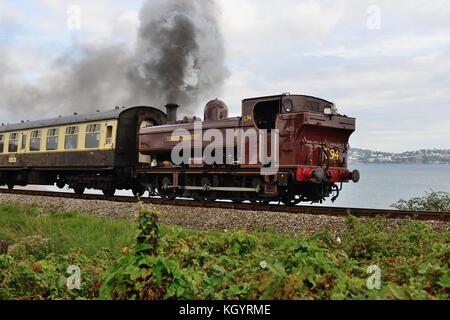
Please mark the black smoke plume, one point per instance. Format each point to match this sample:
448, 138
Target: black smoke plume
179, 58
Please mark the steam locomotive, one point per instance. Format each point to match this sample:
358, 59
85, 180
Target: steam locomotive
284, 148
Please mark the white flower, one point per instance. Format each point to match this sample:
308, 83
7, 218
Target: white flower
339, 240
263, 264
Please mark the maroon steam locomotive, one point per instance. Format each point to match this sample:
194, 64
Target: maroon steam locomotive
311, 155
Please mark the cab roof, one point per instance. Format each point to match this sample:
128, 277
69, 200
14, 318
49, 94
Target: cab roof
287, 95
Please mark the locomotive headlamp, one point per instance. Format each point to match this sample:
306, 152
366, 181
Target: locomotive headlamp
288, 105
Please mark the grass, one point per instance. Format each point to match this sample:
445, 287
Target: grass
65, 230
413, 260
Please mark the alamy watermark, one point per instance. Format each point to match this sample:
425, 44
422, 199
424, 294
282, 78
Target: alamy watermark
74, 17
74, 281
374, 19
374, 281
249, 147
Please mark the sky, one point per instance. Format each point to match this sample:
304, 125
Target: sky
384, 62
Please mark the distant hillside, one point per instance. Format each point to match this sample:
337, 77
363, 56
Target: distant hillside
435, 156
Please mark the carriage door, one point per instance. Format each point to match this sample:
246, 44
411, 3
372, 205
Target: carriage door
144, 158
109, 135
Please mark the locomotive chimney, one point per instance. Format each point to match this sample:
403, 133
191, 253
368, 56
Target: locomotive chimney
171, 113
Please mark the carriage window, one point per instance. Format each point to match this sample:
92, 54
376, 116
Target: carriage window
52, 139
109, 131
71, 139
35, 140
92, 136
13, 142
2, 143
265, 114
24, 141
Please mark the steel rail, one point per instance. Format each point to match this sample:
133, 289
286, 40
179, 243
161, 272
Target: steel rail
317, 210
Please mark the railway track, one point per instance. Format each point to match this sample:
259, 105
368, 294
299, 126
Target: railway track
319, 210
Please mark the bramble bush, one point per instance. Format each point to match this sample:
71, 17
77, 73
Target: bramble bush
144, 273
31, 279
195, 265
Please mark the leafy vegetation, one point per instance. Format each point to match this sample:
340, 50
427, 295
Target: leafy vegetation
438, 201
176, 263
43, 244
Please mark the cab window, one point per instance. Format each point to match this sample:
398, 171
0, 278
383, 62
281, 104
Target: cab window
52, 139
312, 106
71, 138
265, 114
13, 142
92, 136
35, 140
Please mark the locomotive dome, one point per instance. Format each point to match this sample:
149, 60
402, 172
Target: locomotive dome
216, 110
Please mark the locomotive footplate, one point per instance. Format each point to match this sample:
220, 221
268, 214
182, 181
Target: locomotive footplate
209, 188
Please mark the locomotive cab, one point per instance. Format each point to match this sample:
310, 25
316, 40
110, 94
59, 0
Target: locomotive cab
313, 143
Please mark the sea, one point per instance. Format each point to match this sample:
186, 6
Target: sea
381, 185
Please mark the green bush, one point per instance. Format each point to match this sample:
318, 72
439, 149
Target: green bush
432, 201
413, 260
30, 279
176, 263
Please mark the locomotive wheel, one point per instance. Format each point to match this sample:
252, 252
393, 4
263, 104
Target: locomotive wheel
258, 201
290, 201
206, 196
60, 184
151, 191
164, 191
138, 191
253, 196
242, 196
79, 190
109, 192
10, 186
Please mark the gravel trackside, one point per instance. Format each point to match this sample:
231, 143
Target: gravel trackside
223, 220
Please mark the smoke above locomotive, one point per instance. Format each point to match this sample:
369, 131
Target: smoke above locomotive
179, 57
181, 51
